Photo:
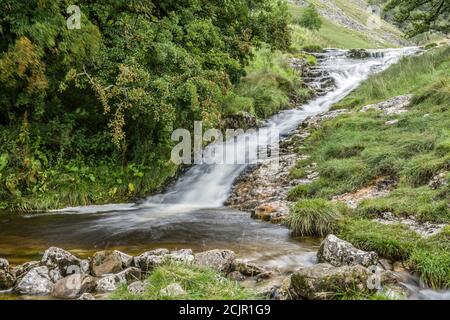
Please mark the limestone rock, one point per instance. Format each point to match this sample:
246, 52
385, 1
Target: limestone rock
35, 282
322, 281
20, 270
247, 268
393, 106
358, 54
236, 276
150, 259
73, 286
339, 253
219, 260
106, 262
111, 282
173, 290
57, 258
6, 280
86, 296
4, 264
137, 287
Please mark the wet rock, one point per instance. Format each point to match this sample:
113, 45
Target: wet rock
20, 270
398, 266
126, 259
111, 282
236, 276
247, 268
57, 258
322, 281
173, 290
55, 275
4, 264
340, 253
86, 296
137, 287
185, 256
106, 262
219, 260
385, 264
150, 259
358, 54
393, 106
6, 280
282, 292
73, 286
85, 266
35, 282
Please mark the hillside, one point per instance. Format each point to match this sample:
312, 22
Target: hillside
346, 24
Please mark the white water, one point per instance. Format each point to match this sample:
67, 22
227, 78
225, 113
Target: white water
208, 186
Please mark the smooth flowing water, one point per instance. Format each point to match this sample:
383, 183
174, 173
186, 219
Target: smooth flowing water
191, 213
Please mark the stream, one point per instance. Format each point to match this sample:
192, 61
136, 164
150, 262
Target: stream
191, 214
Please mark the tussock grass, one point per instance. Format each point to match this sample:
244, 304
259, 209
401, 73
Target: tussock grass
313, 217
199, 284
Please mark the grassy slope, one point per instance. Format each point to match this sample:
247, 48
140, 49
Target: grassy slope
354, 149
335, 35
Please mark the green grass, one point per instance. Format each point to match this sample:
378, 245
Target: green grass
316, 217
426, 74
199, 284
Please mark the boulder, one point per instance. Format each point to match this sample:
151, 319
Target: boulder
137, 287
64, 261
172, 290
181, 256
73, 286
86, 296
340, 253
6, 280
322, 281
150, 259
20, 270
111, 282
55, 275
247, 268
4, 264
126, 259
219, 260
106, 262
358, 54
35, 282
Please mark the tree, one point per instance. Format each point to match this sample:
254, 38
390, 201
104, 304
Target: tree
421, 16
311, 18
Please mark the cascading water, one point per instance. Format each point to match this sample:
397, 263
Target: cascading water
191, 213
208, 186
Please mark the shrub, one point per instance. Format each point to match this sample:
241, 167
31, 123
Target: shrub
313, 217
310, 18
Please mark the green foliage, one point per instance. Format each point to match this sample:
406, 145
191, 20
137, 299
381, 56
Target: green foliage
199, 284
316, 217
109, 94
421, 16
433, 265
310, 18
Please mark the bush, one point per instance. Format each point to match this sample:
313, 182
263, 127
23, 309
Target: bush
310, 18
313, 217
199, 284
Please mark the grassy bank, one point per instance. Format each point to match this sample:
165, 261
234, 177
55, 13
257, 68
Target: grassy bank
198, 284
355, 149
